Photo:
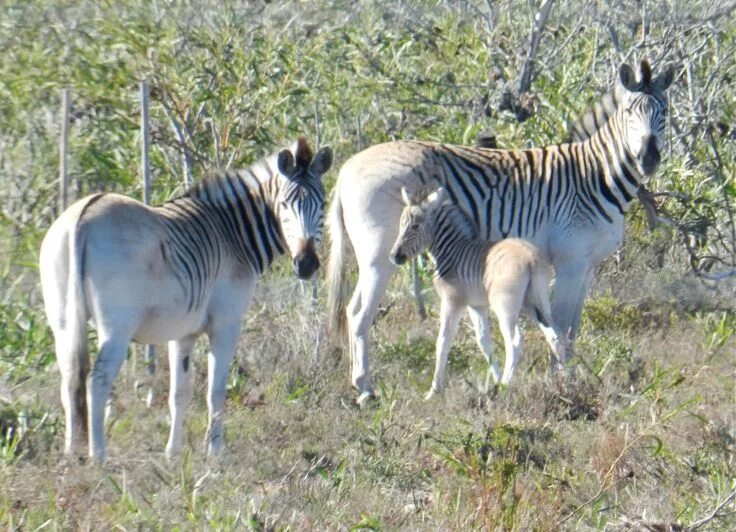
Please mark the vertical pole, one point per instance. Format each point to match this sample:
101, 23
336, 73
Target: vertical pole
146, 172
63, 150
145, 145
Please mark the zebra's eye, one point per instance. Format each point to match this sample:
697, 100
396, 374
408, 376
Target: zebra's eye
414, 227
283, 204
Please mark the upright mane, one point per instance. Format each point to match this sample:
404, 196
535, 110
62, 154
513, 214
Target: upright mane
450, 213
591, 121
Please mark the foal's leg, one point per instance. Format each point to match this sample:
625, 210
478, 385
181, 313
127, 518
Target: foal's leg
506, 307
449, 319
113, 350
180, 389
481, 325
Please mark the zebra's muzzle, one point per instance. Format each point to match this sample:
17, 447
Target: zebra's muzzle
398, 258
306, 263
649, 157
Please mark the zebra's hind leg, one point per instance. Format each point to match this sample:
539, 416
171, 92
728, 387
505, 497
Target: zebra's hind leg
180, 389
113, 350
361, 311
507, 307
73, 363
481, 325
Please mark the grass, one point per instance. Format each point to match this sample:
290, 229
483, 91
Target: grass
645, 436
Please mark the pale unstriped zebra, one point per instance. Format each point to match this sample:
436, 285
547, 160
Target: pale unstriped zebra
170, 273
569, 200
471, 273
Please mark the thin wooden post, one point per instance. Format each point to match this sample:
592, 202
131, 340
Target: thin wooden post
63, 151
150, 350
145, 145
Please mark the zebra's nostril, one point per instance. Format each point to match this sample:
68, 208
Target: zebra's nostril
305, 264
398, 258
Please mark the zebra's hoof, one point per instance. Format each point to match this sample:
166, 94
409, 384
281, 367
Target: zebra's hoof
364, 397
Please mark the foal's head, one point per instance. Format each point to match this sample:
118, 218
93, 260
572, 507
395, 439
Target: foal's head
415, 225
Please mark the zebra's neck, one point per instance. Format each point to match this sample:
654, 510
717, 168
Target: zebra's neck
453, 238
608, 168
232, 215
589, 123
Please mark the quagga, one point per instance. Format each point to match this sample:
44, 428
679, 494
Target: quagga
568, 199
170, 273
473, 273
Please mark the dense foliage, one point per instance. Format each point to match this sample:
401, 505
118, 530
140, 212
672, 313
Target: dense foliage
232, 81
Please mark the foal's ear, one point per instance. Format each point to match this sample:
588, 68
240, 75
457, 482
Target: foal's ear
406, 196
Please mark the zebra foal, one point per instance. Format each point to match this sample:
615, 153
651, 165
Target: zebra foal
473, 273
170, 273
567, 199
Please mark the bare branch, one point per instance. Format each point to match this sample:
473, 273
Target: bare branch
714, 514
540, 20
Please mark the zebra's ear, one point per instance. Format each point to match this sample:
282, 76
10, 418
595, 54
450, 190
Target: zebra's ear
664, 80
628, 78
322, 161
285, 162
645, 73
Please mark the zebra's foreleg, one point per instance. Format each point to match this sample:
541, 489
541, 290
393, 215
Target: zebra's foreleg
180, 389
99, 384
571, 287
449, 319
222, 348
481, 325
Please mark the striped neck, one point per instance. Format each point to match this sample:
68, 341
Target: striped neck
608, 166
234, 213
450, 234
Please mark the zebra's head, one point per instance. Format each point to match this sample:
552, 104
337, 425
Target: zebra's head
300, 204
415, 225
643, 111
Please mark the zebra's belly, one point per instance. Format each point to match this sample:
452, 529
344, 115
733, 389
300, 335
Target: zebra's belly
161, 325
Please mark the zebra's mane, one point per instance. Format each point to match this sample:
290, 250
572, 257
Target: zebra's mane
448, 213
591, 121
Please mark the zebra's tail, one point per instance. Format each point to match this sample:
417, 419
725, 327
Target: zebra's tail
336, 284
75, 316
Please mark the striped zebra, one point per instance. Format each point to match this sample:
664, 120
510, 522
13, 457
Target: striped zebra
471, 273
170, 273
568, 199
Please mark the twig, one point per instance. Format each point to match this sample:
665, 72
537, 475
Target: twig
714, 514
540, 19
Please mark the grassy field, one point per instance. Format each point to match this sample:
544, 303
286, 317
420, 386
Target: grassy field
643, 436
